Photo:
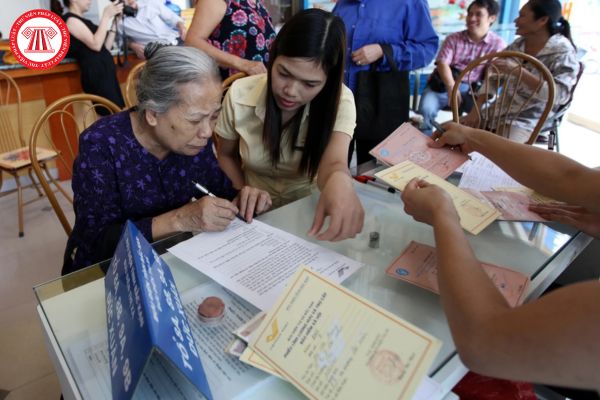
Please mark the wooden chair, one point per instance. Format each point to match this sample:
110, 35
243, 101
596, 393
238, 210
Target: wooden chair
130, 85
14, 154
66, 118
501, 89
226, 85
230, 79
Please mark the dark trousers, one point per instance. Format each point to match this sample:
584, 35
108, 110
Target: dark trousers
362, 150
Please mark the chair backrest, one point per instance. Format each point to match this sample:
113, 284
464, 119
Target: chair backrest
131, 83
503, 90
230, 79
60, 125
10, 107
226, 85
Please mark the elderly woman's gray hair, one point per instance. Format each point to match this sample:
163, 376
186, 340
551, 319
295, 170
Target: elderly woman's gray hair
167, 68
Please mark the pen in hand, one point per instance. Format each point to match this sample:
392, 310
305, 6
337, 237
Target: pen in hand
209, 193
439, 127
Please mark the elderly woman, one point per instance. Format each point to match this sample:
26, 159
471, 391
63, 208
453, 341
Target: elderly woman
139, 165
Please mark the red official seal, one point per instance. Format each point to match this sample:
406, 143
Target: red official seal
39, 39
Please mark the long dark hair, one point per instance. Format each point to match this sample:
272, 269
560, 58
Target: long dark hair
553, 10
319, 36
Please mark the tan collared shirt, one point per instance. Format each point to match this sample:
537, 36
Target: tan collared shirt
242, 118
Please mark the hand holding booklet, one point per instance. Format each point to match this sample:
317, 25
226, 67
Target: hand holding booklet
418, 265
332, 344
408, 143
474, 214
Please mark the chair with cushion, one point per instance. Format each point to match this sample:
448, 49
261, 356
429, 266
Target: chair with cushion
501, 89
14, 155
60, 126
130, 85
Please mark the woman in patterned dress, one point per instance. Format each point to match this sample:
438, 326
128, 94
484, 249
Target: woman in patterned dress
236, 33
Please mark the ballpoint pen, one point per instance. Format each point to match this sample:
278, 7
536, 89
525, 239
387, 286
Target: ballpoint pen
209, 193
438, 126
370, 180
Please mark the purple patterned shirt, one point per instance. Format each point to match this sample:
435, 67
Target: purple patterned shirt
116, 179
459, 50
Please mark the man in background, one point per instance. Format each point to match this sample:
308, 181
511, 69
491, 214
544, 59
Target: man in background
458, 50
154, 22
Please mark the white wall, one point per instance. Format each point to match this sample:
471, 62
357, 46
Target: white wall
11, 9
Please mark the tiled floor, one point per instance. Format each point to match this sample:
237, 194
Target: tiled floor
25, 369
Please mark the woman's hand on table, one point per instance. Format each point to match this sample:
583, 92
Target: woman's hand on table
252, 201
339, 202
426, 202
207, 214
576, 216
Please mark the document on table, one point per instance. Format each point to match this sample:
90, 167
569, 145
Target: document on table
256, 260
332, 344
483, 175
474, 214
418, 265
227, 376
408, 143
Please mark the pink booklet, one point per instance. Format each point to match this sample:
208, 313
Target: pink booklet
408, 143
418, 265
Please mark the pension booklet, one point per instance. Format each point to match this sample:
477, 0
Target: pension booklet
418, 265
474, 214
408, 143
333, 344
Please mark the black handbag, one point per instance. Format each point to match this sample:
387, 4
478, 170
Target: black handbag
382, 99
436, 83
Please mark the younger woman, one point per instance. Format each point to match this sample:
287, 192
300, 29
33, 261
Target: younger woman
282, 131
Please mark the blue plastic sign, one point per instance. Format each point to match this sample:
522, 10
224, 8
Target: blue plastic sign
144, 314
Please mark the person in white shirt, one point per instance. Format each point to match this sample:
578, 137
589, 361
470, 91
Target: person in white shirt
154, 22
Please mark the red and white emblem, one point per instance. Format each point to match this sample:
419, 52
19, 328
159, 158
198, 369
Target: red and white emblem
39, 39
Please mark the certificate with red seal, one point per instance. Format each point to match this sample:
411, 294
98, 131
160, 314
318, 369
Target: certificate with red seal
333, 344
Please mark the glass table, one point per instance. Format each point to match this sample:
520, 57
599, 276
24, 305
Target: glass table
74, 305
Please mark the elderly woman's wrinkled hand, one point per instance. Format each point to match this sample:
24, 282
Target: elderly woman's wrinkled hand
339, 202
209, 214
252, 201
424, 202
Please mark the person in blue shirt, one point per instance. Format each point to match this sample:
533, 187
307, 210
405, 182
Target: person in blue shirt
403, 24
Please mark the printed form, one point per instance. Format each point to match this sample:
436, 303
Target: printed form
256, 260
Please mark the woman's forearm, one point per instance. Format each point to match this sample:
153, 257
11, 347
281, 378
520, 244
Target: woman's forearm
224, 59
233, 169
